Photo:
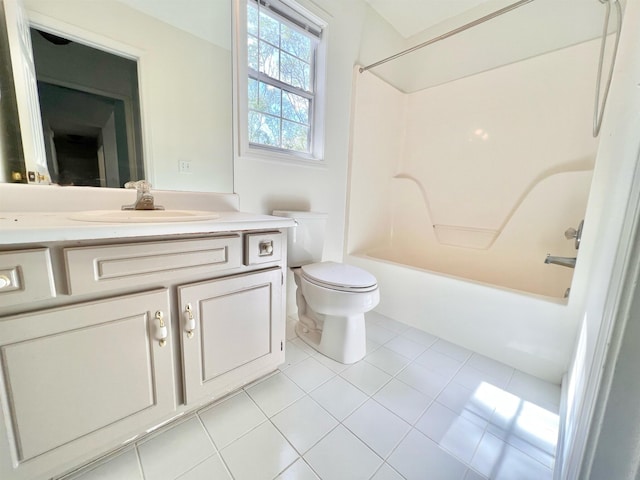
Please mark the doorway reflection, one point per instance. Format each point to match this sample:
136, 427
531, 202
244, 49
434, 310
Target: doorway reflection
90, 113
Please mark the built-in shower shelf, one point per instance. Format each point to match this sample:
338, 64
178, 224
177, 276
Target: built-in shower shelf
467, 237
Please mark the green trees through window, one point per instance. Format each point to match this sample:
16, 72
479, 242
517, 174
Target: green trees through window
281, 84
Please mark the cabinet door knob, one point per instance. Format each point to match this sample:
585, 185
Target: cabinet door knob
189, 321
162, 332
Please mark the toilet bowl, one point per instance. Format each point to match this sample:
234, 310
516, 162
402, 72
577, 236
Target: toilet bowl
332, 299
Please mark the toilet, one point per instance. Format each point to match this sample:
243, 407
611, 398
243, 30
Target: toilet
331, 297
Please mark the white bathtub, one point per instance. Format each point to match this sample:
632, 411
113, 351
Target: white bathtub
529, 332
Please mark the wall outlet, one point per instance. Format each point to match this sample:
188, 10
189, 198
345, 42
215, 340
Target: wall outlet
184, 166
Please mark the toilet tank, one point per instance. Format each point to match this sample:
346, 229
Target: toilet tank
306, 240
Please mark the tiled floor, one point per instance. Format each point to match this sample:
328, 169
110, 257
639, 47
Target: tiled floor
416, 407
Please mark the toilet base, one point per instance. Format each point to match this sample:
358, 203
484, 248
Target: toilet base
342, 339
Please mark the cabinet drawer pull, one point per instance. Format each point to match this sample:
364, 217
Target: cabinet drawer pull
162, 332
189, 321
5, 282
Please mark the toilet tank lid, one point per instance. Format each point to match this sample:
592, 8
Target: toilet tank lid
339, 274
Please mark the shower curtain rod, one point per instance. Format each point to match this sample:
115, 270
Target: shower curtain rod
455, 31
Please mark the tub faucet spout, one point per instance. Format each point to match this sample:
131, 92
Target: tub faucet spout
564, 261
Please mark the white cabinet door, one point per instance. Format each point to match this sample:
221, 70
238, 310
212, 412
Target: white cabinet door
80, 379
232, 332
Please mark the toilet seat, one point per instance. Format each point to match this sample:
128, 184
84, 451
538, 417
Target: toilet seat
340, 277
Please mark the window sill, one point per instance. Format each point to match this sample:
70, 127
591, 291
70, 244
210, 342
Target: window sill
282, 158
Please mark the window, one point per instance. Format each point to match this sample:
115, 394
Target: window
282, 79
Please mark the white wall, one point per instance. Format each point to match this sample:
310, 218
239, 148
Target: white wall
268, 185
609, 224
185, 88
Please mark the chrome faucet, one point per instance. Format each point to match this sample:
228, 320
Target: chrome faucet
564, 261
144, 200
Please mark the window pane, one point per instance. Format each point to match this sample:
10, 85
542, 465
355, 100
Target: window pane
269, 99
252, 19
264, 129
252, 52
295, 136
269, 60
269, 29
295, 43
253, 94
295, 107
294, 72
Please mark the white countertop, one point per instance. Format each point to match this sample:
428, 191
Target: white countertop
34, 227
34, 214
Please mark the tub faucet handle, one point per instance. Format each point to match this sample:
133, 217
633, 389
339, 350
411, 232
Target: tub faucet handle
571, 232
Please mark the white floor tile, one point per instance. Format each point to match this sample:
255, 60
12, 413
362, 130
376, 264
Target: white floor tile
339, 397
298, 471
451, 350
366, 377
487, 420
124, 465
472, 378
232, 418
422, 379
495, 369
439, 362
298, 342
405, 347
275, 393
419, 336
535, 390
291, 328
309, 374
387, 360
387, 473
476, 405
498, 460
545, 458
417, 457
292, 355
386, 322
174, 451
211, 469
471, 475
341, 455
261, 454
516, 417
403, 400
452, 432
376, 426
304, 423
330, 363
377, 334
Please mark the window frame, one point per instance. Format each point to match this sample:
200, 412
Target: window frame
317, 105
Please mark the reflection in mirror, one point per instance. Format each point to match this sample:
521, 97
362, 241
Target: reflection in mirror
90, 113
184, 66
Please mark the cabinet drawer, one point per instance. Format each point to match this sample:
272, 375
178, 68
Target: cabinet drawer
25, 276
264, 247
94, 269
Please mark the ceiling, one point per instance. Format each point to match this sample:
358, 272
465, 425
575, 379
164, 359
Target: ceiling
409, 17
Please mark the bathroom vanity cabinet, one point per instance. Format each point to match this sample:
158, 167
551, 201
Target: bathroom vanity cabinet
102, 340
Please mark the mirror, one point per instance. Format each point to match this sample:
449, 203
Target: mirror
184, 64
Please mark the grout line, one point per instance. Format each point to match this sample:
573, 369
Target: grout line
139, 461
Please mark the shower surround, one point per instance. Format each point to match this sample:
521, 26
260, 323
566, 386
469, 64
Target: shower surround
472, 183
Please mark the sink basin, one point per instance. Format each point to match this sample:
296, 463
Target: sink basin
143, 216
